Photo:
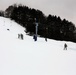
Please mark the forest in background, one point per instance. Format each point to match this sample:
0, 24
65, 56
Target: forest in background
51, 26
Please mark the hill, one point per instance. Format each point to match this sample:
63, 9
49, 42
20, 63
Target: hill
51, 26
26, 57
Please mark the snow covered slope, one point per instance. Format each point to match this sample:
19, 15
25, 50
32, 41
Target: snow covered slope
26, 57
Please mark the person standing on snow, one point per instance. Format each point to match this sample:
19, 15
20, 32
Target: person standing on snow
35, 37
65, 46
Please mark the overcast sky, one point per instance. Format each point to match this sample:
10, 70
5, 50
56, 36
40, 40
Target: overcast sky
63, 8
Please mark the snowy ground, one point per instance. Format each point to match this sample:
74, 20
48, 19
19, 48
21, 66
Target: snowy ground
26, 57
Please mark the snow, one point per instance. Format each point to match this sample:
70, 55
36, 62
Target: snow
26, 57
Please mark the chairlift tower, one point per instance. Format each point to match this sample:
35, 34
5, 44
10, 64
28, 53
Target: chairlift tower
36, 28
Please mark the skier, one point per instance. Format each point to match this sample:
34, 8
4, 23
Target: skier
46, 39
65, 46
22, 36
18, 35
46, 33
35, 37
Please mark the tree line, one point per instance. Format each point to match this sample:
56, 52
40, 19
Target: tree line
50, 26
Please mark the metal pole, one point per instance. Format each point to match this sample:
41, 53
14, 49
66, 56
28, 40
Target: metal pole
36, 29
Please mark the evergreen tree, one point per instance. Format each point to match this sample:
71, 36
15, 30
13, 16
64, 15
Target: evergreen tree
48, 26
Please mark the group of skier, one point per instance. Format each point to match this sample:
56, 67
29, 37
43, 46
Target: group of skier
20, 36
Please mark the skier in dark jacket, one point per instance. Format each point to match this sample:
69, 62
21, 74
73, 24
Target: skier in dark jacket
35, 37
65, 46
22, 36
